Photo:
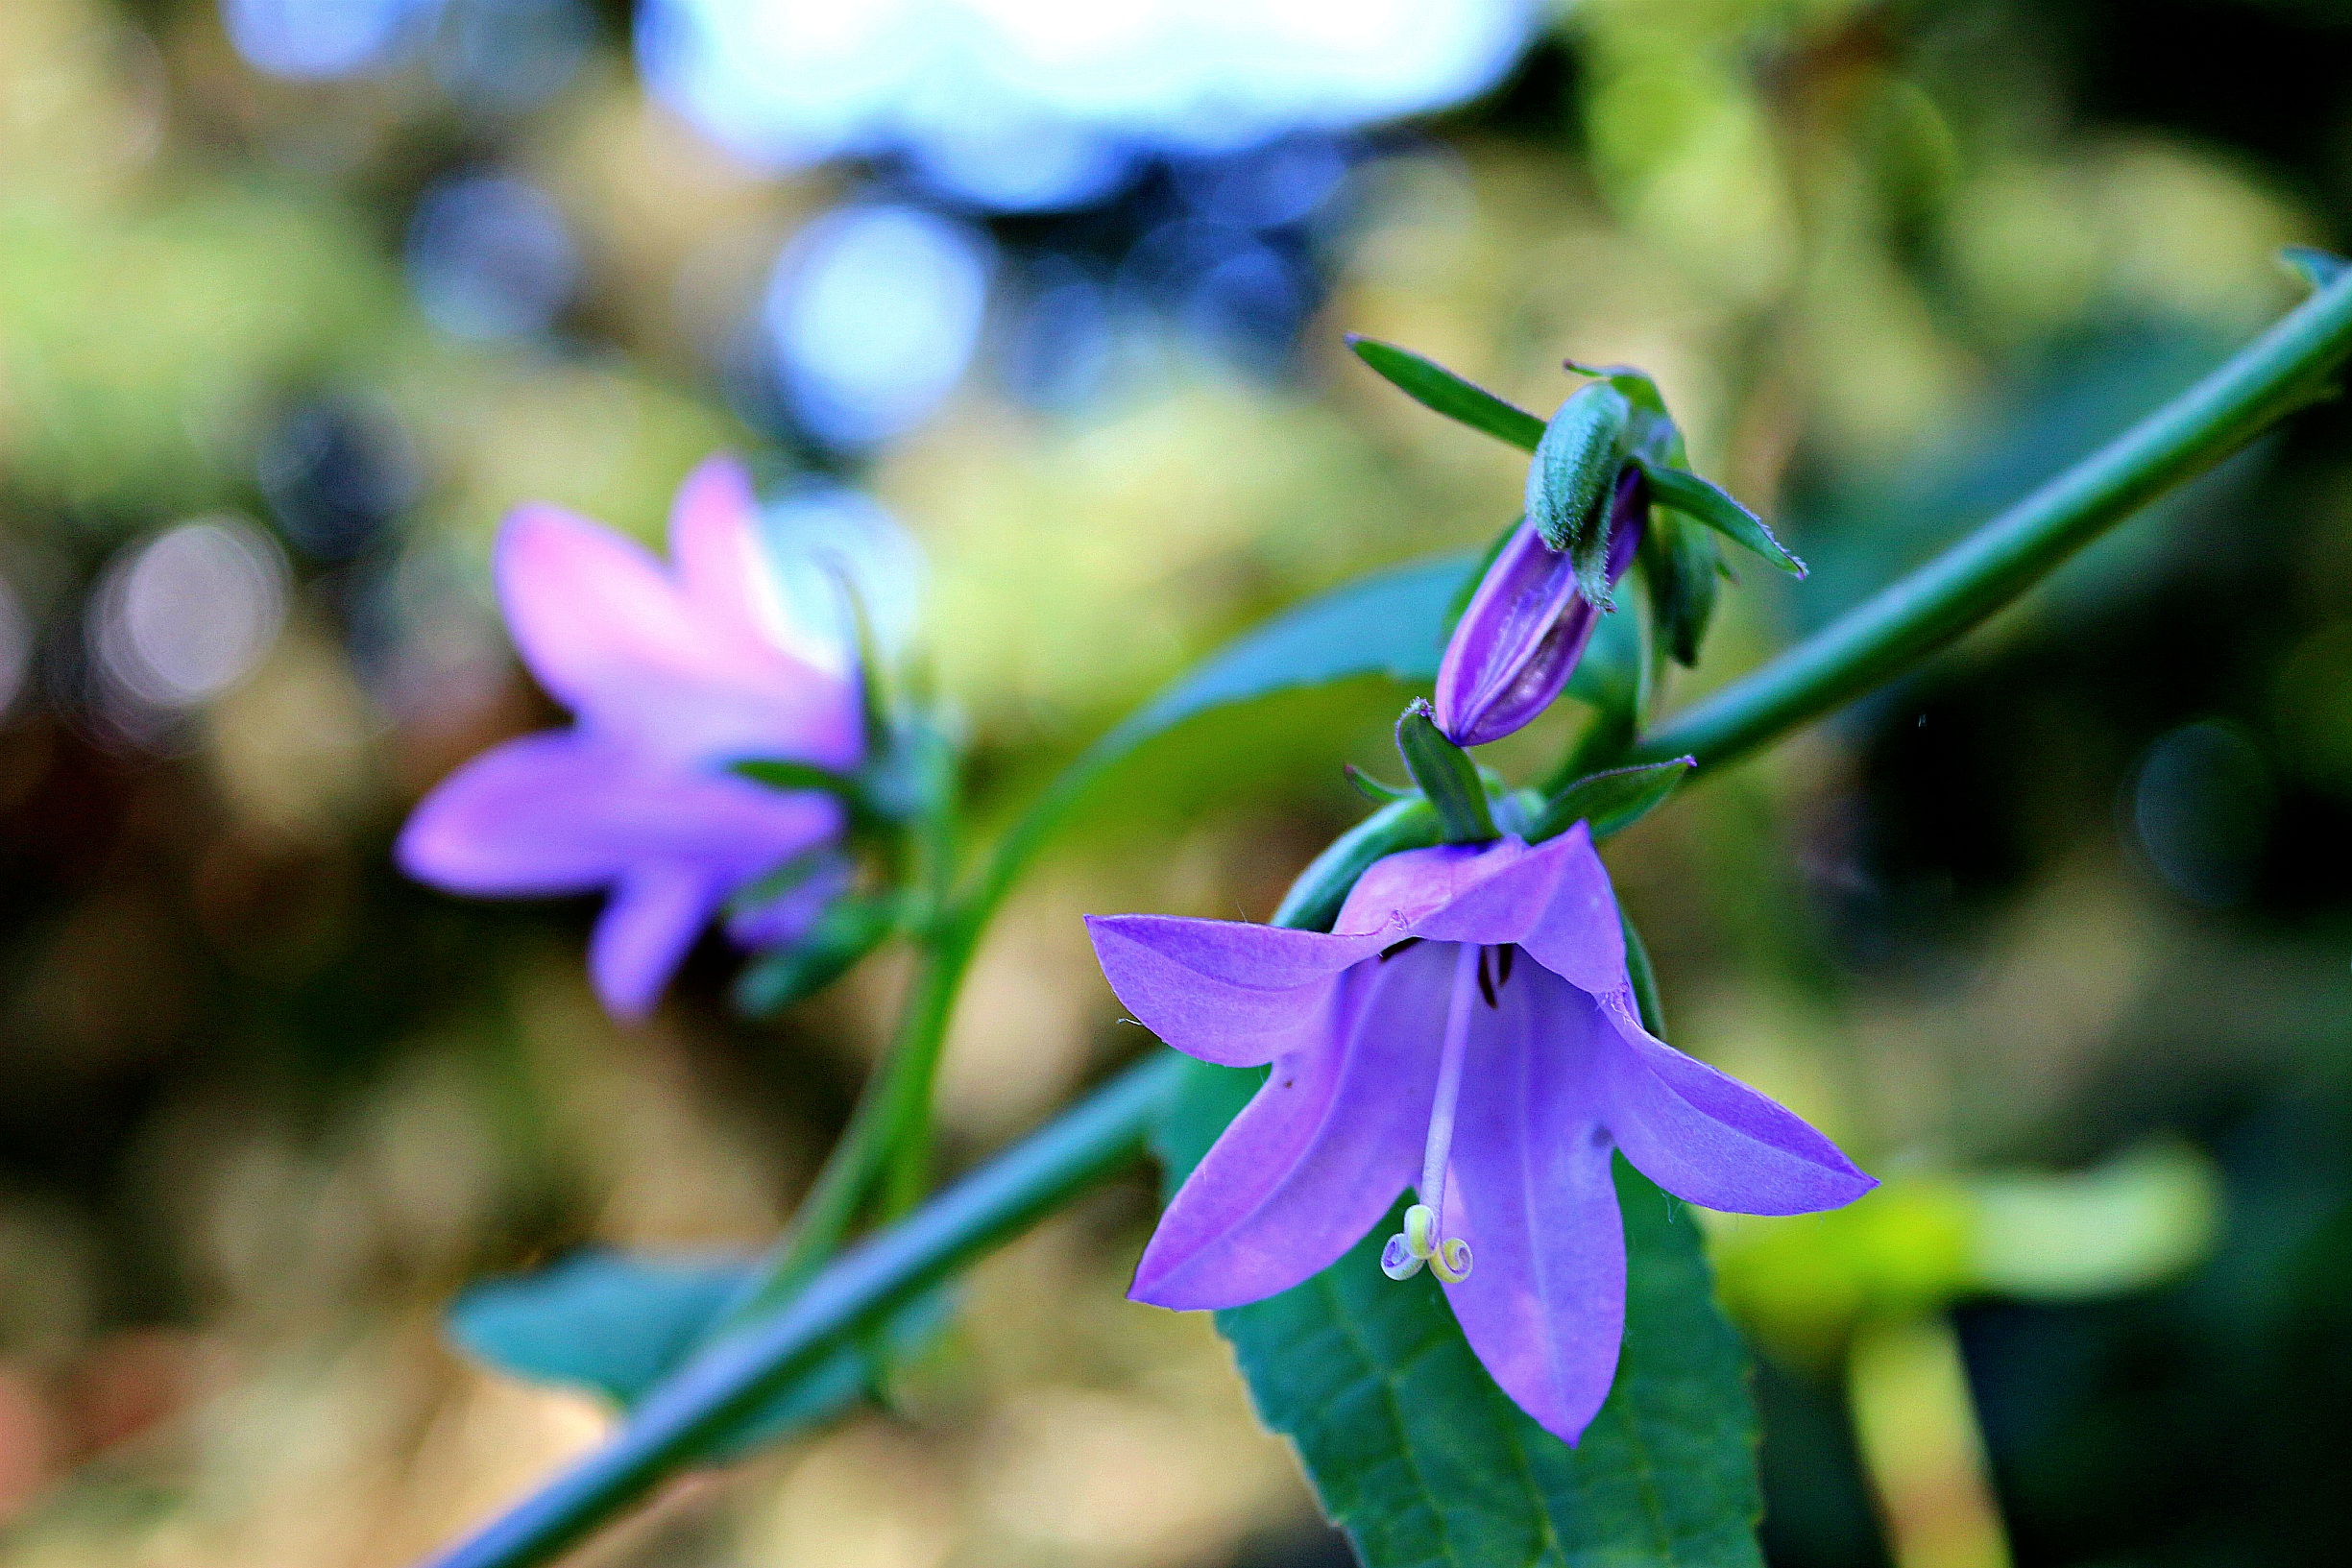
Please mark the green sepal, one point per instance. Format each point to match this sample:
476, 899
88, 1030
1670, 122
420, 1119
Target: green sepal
782, 773
1679, 565
1612, 801
2316, 267
768, 888
1638, 387
1314, 900
1435, 387
1644, 978
1569, 482
852, 927
1373, 789
1447, 776
1702, 500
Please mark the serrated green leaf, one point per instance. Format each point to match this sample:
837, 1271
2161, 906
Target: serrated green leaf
1423, 1461
1701, 500
618, 1325
1612, 801
1435, 387
2316, 267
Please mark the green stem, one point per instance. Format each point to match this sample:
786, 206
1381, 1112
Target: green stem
853, 1293
2279, 372
1979, 576
888, 1139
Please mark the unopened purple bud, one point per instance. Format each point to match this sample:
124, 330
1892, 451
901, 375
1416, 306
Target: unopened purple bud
1517, 643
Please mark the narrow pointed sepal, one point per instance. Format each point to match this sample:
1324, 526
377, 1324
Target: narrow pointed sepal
1611, 801
1436, 388
1447, 776
1704, 501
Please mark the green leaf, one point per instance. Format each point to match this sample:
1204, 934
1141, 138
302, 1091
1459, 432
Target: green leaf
1681, 491
1435, 387
1315, 898
2316, 267
618, 1325
1391, 623
1612, 801
1423, 1461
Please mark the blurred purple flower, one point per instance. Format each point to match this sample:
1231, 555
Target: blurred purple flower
671, 674
1469, 1027
1522, 631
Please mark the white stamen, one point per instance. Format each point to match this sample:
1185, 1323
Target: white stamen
1422, 1240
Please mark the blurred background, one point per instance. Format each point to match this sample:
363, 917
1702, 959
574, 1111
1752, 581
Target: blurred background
1042, 304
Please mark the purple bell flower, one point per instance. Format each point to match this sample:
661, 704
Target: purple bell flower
670, 673
1522, 631
1467, 1028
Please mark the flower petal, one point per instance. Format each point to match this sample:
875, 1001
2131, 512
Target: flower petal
611, 636
1579, 935
654, 917
715, 542
787, 918
1530, 1189
562, 811
518, 819
1225, 990
1709, 1139
1515, 644
1316, 1158
1504, 891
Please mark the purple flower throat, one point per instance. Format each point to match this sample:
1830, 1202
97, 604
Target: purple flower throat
1423, 1240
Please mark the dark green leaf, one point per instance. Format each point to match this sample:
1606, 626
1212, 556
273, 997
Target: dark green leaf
1435, 387
1611, 801
1702, 501
617, 1325
765, 890
2316, 267
1423, 1461
1447, 777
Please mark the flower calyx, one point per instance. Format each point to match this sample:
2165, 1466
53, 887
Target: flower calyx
1447, 778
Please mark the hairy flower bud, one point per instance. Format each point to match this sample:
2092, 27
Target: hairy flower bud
1519, 640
